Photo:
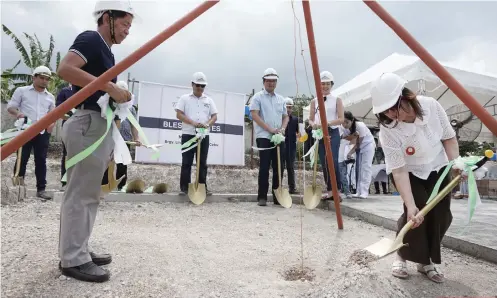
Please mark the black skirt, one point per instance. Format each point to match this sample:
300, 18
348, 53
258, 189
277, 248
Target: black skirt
425, 240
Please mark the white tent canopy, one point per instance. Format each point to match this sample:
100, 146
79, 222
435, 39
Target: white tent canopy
357, 98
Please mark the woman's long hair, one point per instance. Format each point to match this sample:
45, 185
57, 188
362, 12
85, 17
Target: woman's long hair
348, 115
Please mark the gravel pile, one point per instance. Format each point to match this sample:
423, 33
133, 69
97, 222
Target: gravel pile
217, 250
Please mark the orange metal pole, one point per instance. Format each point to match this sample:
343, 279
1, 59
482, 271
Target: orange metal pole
322, 114
435, 66
95, 85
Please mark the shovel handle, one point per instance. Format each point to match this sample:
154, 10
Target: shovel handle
315, 165
279, 164
198, 162
440, 196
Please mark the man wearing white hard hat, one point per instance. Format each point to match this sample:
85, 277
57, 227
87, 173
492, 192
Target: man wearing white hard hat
291, 132
418, 142
270, 116
89, 57
195, 110
335, 116
32, 103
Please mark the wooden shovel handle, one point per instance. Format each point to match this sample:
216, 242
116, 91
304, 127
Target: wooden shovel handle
198, 162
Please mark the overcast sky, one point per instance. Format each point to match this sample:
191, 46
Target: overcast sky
234, 41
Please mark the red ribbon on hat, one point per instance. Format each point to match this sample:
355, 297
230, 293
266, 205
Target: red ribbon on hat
410, 150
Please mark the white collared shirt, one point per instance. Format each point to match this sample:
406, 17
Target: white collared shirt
31, 103
418, 146
199, 109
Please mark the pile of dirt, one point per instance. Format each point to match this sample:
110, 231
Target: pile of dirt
362, 258
358, 282
299, 273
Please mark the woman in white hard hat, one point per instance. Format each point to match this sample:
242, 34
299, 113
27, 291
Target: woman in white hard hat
418, 142
364, 148
335, 117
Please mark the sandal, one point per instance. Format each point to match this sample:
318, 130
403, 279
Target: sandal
432, 272
399, 269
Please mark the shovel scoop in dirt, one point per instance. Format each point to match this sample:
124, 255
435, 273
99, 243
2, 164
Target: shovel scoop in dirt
196, 191
312, 193
282, 195
386, 246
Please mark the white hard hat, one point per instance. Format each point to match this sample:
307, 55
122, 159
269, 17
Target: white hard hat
385, 91
42, 70
289, 101
102, 6
270, 74
122, 85
199, 78
326, 76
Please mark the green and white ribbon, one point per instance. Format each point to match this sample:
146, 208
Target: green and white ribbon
466, 165
11, 133
317, 134
192, 143
121, 151
276, 139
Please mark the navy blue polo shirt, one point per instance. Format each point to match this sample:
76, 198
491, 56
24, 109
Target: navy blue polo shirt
93, 49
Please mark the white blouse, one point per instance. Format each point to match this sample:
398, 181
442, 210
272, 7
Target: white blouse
331, 109
418, 146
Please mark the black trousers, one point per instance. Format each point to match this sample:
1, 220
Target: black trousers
187, 162
425, 240
290, 155
121, 170
39, 144
269, 158
63, 163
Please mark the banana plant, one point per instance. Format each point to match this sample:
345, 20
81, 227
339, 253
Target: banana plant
36, 56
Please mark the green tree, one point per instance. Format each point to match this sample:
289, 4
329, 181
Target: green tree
37, 56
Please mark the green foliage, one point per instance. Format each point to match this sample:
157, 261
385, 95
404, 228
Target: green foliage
474, 148
37, 56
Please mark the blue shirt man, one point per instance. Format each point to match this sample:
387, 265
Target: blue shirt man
88, 58
270, 116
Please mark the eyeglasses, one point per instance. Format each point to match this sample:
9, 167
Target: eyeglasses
199, 86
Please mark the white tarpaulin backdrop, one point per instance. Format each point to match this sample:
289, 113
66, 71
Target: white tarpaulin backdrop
157, 117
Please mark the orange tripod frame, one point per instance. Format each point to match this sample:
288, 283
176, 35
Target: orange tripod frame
95, 85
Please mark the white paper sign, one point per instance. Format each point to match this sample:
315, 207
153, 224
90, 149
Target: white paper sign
157, 117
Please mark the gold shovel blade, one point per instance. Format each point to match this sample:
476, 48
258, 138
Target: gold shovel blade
384, 247
312, 196
197, 195
283, 197
18, 181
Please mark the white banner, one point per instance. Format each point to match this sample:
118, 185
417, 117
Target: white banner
157, 117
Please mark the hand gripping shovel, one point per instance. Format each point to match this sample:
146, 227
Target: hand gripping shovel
196, 191
282, 195
312, 193
19, 181
386, 246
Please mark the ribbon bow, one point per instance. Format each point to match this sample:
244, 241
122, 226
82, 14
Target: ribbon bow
276, 139
317, 134
121, 153
20, 125
192, 143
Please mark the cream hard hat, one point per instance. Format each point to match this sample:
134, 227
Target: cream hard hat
326, 76
42, 70
289, 101
199, 78
102, 6
385, 91
270, 74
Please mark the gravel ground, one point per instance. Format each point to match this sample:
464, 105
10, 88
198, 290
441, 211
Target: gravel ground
218, 250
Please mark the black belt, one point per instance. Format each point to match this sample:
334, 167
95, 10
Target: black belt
92, 107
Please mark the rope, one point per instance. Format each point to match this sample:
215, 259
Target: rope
295, 20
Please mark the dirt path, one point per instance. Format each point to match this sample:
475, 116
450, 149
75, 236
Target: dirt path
217, 250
